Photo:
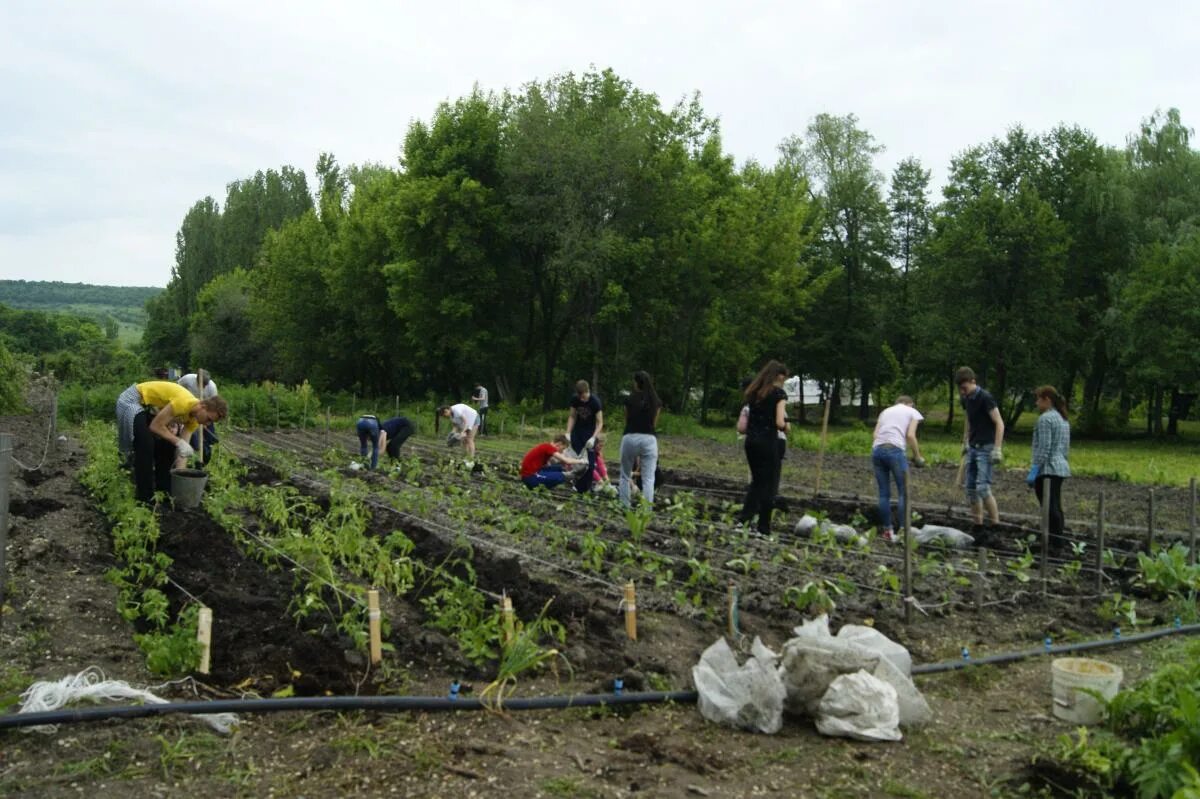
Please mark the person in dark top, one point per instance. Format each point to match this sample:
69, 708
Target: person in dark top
543, 465
387, 435
767, 418
983, 435
584, 423
639, 443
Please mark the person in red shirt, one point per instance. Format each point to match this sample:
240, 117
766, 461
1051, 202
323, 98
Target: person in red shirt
543, 465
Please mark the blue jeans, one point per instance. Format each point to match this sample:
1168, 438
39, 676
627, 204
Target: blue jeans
979, 472
890, 464
549, 476
641, 447
368, 430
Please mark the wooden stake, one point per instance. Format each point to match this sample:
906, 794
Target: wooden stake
630, 605
1192, 524
981, 579
821, 455
733, 612
374, 626
1150, 521
204, 636
908, 574
508, 623
6, 468
327, 428
1100, 542
1047, 490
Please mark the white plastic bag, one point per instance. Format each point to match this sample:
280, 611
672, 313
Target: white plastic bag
860, 706
843, 533
933, 532
749, 696
815, 658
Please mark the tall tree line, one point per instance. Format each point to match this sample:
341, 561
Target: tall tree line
579, 228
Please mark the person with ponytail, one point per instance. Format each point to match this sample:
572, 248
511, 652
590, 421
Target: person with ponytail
1051, 448
766, 419
639, 443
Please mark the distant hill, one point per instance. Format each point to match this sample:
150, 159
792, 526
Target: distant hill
125, 304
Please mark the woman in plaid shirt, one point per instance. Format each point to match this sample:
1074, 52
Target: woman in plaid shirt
1051, 446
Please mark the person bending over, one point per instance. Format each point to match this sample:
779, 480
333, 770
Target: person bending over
465, 421
543, 465
387, 436
146, 413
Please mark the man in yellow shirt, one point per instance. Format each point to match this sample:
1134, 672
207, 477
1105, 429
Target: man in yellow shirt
146, 413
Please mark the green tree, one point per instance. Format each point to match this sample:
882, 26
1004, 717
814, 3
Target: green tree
221, 330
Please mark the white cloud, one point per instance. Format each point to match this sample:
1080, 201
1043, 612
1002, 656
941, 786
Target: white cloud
119, 116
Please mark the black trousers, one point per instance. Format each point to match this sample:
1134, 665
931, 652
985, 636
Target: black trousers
393, 444
1057, 522
483, 421
153, 458
763, 456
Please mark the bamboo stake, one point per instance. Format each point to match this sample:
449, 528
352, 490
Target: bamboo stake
374, 625
630, 605
908, 574
204, 636
508, 620
1100, 542
821, 455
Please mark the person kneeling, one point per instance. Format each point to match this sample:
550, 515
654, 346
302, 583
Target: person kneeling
543, 465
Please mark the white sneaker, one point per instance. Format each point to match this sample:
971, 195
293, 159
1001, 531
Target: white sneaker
889, 536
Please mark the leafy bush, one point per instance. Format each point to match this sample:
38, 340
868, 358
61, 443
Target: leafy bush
1167, 572
12, 381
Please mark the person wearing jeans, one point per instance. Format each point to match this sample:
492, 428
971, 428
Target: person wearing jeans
895, 431
543, 465
639, 442
983, 435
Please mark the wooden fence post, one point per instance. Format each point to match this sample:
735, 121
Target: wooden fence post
1047, 498
1150, 521
821, 454
6, 457
1100, 542
981, 579
733, 612
1192, 523
908, 575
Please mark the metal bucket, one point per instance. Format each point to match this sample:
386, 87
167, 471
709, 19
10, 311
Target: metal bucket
187, 487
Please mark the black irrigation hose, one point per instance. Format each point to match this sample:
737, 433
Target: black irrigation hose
380, 703
1012, 657
438, 703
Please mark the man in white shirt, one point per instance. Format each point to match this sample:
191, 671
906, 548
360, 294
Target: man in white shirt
895, 430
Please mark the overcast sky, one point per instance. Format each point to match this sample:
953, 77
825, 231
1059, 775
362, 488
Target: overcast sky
118, 116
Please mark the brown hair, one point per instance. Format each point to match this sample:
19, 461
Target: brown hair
582, 386
1056, 399
762, 384
437, 417
965, 374
561, 438
217, 406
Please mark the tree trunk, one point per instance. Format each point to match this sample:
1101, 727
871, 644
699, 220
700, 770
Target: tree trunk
704, 394
1173, 412
800, 417
864, 401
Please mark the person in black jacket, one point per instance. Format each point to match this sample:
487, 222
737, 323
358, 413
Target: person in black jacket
767, 418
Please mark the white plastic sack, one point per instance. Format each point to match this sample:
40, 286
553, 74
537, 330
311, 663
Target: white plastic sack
815, 658
582, 455
860, 706
749, 696
952, 537
843, 533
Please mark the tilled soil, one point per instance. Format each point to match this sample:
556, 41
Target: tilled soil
59, 617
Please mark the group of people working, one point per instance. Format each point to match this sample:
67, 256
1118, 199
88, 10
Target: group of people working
161, 425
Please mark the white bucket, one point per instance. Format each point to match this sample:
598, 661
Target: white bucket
187, 487
1068, 675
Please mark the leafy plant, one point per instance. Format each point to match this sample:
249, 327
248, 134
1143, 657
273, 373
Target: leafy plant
1167, 572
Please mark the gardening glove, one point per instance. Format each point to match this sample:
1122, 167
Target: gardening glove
591, 443
919, 462
1032, 477
997, 456
184, 450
